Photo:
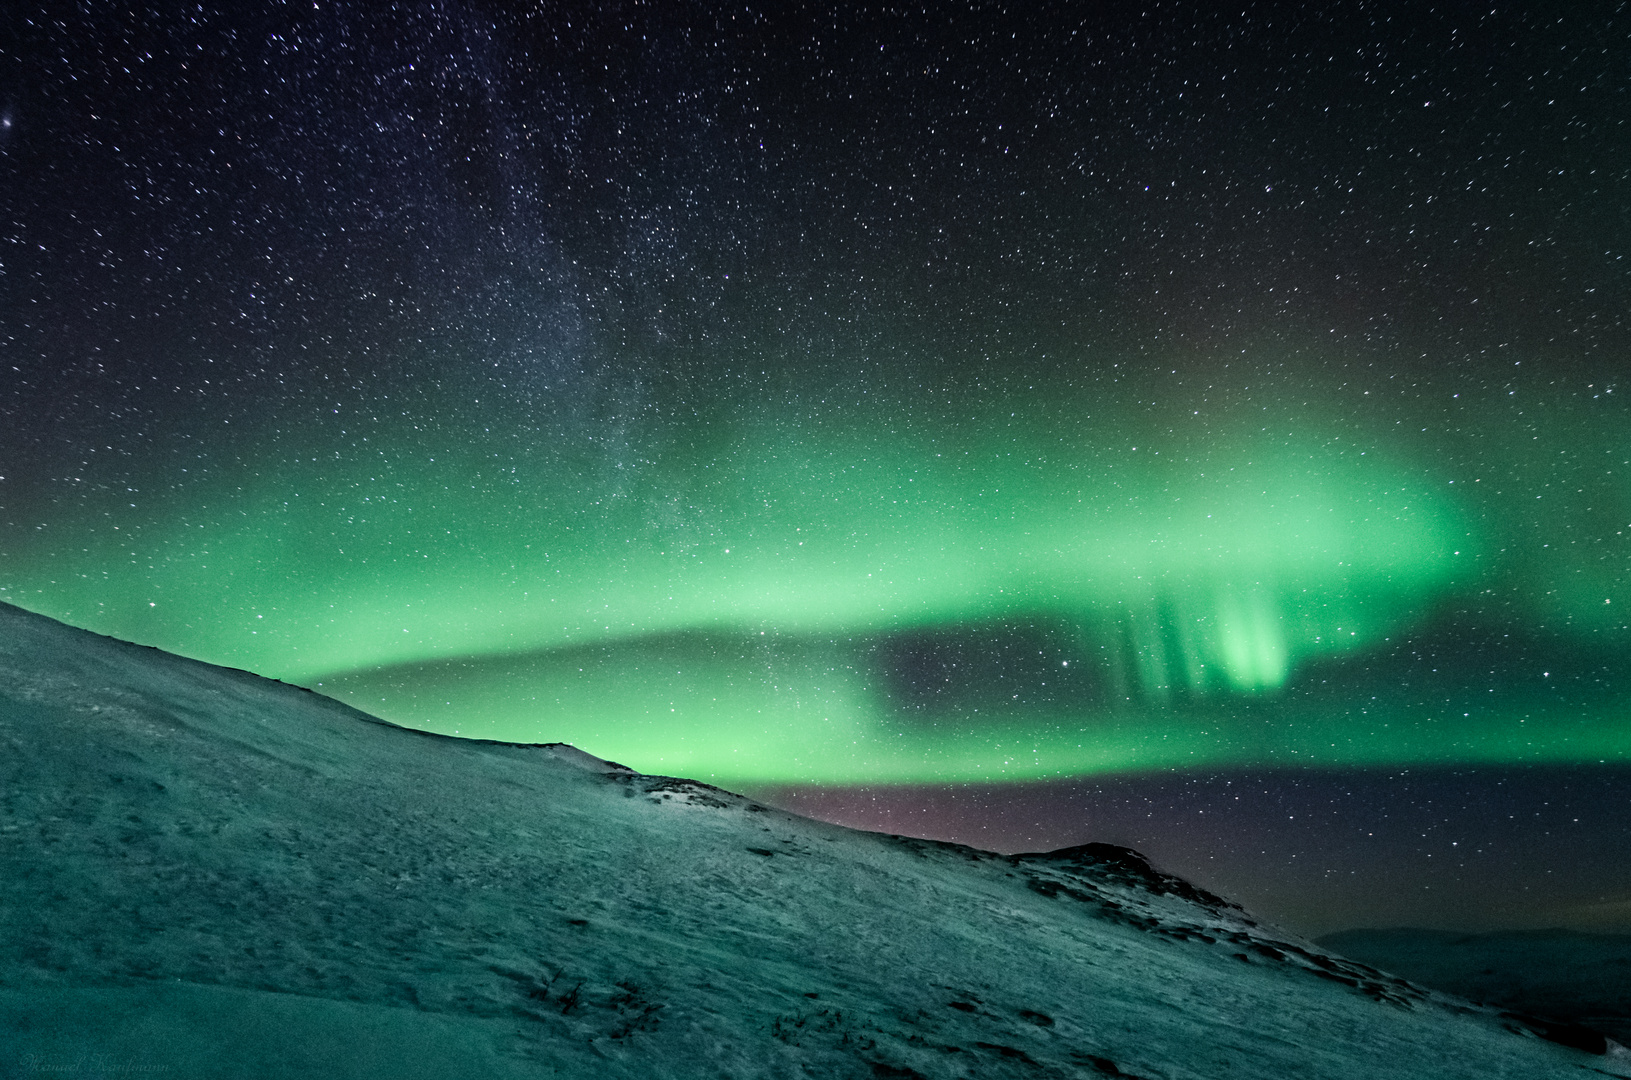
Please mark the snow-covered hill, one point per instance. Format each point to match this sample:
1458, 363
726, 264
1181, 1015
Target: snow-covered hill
207, 873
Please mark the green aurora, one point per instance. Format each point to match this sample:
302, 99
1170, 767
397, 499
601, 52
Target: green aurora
1006, 591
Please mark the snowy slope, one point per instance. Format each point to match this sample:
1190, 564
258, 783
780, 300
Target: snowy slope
206, 873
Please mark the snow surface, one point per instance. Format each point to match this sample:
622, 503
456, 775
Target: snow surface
206, 873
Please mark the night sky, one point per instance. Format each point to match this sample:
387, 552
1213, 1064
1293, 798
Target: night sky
1024, 424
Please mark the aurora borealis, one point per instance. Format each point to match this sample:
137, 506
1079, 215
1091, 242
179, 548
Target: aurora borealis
708, 643
805, 396
780, 625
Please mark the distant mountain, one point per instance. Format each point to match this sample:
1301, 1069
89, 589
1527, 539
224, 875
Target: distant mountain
207, 873
1565, 974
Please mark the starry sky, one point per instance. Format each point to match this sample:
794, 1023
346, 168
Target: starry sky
1195, 428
